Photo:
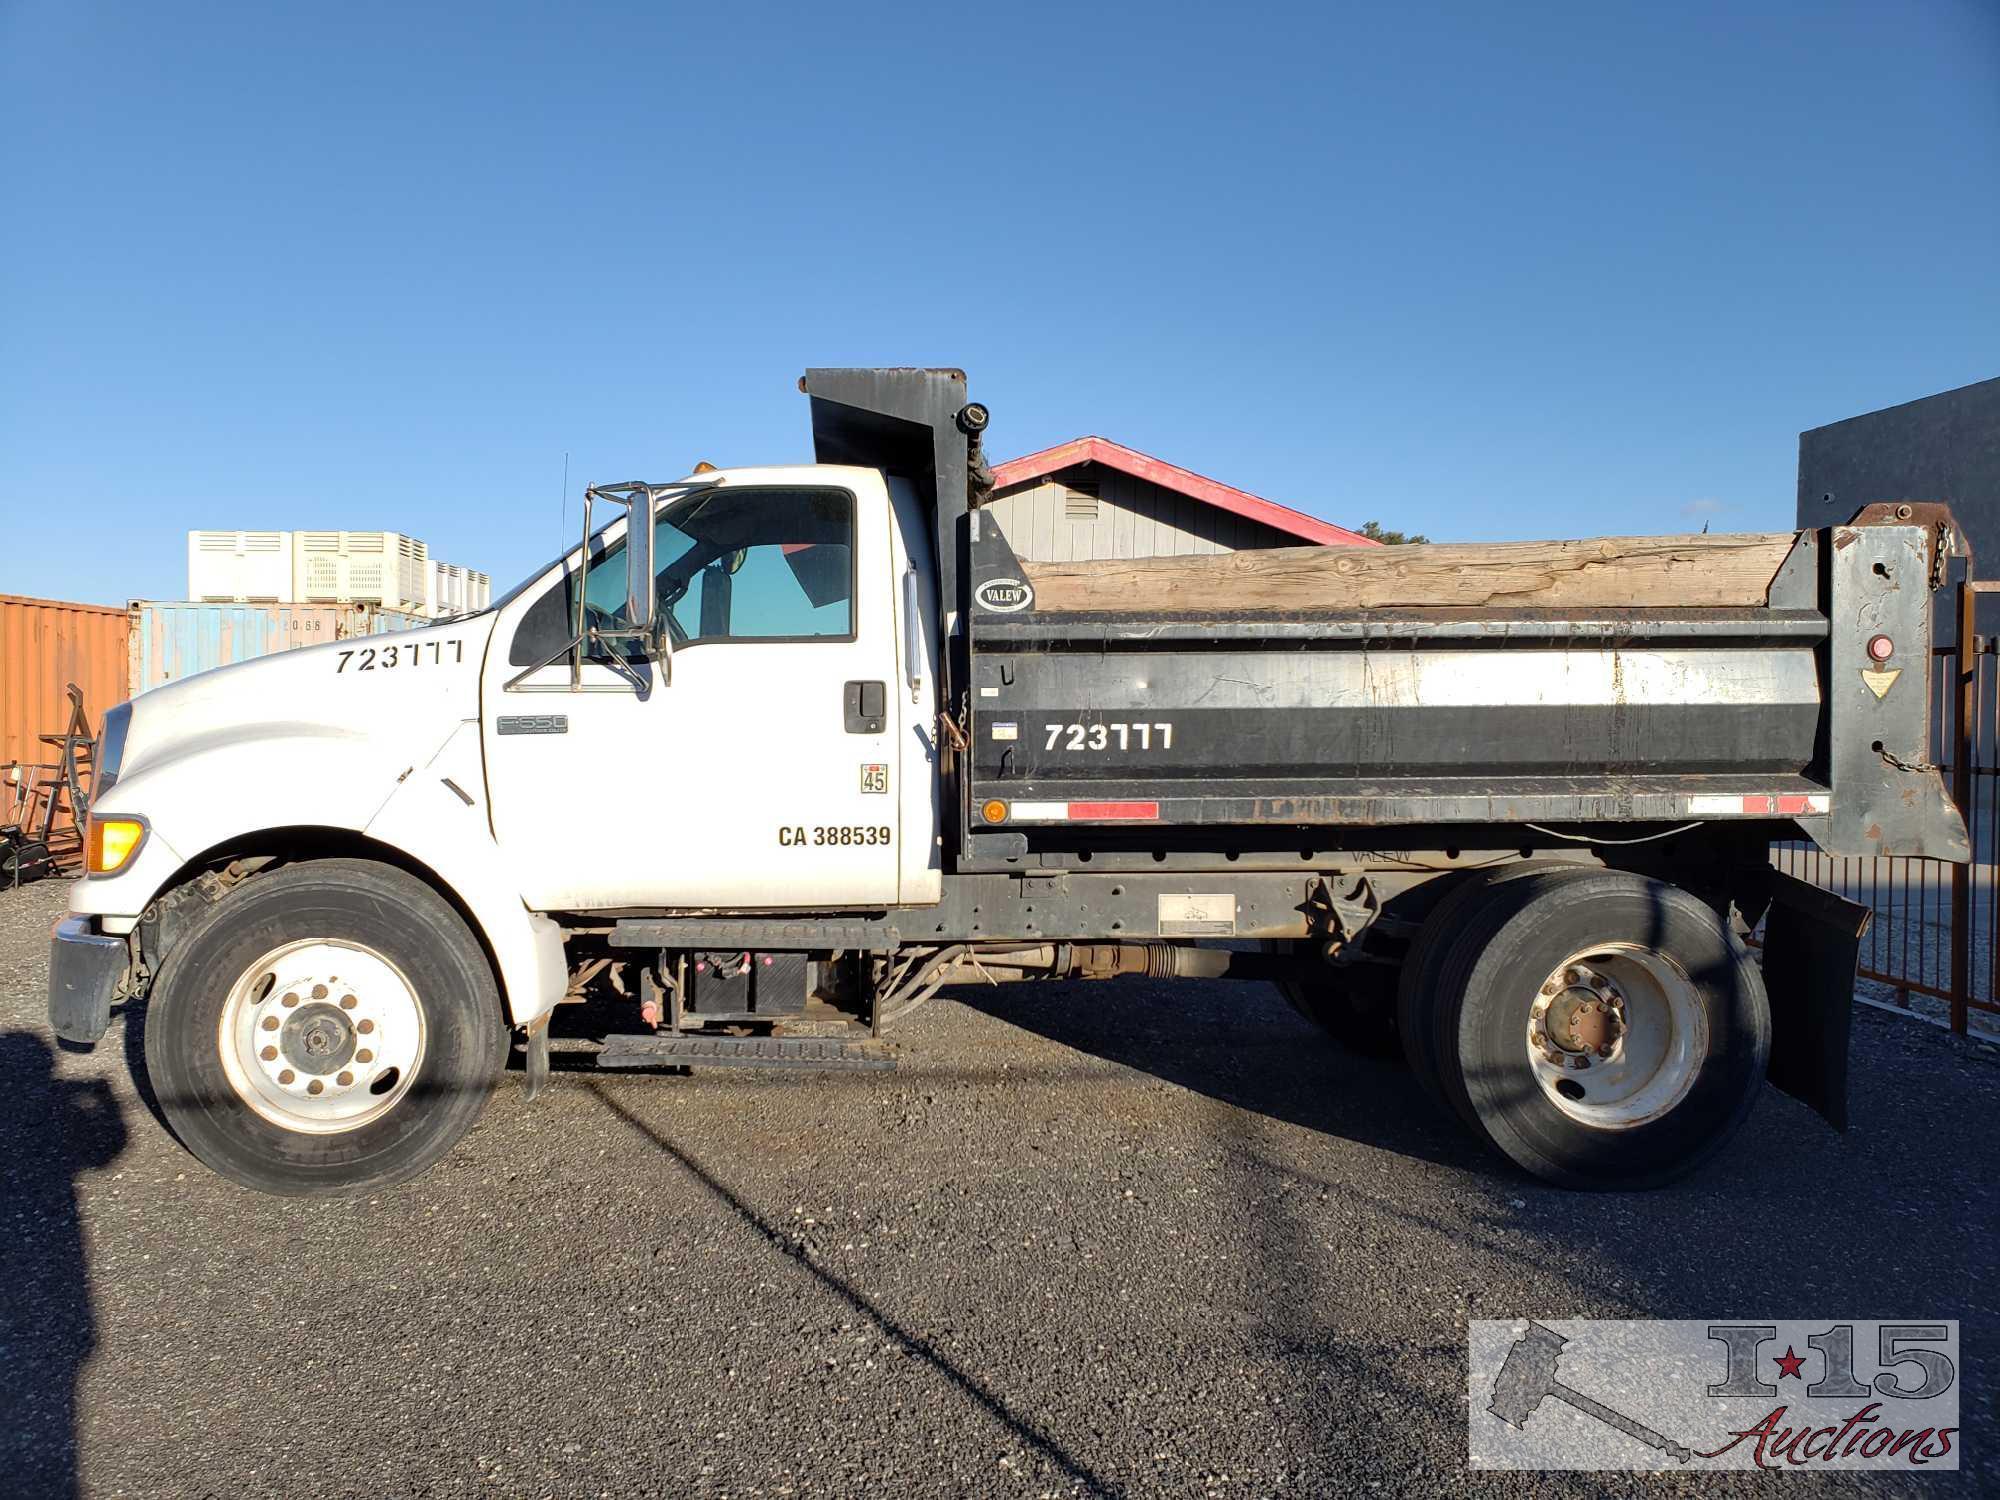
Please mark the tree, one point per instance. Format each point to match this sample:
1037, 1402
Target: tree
1374, 532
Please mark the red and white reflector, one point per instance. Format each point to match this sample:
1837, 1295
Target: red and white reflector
1084, 812
1760, 805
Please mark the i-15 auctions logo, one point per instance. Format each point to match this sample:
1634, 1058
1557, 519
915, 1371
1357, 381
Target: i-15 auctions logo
1634, 1394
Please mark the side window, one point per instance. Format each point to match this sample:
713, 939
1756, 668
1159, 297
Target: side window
791, 579
730, 565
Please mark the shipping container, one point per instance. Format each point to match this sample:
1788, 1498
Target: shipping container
46, 644
171, 639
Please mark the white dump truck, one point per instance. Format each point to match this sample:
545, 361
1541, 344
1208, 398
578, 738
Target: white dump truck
770, 770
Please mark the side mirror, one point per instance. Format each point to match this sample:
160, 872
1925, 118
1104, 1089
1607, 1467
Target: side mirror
913, 637
639, 566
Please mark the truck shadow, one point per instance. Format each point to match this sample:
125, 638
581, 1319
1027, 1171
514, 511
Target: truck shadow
52, 1130
1241, 1045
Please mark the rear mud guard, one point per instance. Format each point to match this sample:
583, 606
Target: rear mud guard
1812, 939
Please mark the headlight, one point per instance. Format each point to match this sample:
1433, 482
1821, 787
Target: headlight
112, 843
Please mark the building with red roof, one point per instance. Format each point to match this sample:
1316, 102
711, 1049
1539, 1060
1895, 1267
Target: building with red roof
1092, 498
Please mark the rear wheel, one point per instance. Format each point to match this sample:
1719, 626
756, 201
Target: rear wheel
1603, 1030
330, 1027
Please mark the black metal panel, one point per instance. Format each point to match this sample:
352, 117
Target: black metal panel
794, 1053
1888, 797
796, 934
1167, 719
1812, 939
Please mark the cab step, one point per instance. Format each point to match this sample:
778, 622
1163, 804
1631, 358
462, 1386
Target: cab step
807, 1053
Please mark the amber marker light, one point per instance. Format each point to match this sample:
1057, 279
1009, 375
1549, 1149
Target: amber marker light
994, 811
112, 842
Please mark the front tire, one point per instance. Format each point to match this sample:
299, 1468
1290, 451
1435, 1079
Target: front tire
332, 1027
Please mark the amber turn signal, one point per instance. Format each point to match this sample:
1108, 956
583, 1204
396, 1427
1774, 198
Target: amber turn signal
112, 842
994, 811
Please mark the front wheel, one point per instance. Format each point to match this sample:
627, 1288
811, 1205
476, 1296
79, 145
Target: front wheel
331, 1027
1603, 1030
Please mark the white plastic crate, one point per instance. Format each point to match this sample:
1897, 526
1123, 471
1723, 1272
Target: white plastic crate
361, 567
239, 567
447, 594
457, 591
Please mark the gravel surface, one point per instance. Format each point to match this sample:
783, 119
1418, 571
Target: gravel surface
1117, 1239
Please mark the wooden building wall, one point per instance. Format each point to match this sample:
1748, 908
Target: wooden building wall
1054, 520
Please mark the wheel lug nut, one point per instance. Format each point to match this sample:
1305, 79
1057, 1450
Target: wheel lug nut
365, 1027
269, 1054
344, 1079
315, 1087
348, 1002
270, 1023
291, 999
319, 992
287, 1076
364, 1055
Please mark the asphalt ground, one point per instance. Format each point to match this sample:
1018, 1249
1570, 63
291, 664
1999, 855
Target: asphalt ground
1112, 1239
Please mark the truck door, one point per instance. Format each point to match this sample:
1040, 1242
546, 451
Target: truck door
760, 773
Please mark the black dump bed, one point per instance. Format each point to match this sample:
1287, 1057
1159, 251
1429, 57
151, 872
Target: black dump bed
1108, 710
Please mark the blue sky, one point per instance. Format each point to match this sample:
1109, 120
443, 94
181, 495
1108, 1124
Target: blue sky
1483, 271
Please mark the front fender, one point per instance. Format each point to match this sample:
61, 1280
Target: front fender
432, 811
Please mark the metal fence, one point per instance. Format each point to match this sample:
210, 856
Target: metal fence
1936, 923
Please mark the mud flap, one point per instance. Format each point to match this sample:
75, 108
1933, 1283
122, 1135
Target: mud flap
1812, 939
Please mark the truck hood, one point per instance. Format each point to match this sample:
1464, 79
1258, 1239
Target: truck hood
387, 698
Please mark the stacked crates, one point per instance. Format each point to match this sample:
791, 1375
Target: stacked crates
384, 568
239, 567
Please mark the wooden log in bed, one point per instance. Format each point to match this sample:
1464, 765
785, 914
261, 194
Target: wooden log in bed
1652, 572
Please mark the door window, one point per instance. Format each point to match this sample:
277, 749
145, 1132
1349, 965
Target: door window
729, 565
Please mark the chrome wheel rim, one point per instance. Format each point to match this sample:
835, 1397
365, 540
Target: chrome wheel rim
1616, 1035
321, 1036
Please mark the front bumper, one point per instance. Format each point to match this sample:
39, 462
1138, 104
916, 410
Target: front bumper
84, 969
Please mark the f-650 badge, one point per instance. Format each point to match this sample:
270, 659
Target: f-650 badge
1004, 595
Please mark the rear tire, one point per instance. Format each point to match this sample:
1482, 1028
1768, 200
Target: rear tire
1416, 990
332, 1027
1603, 1030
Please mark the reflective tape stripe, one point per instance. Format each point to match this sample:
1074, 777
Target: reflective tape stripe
1037, 812
1760, 805
1084, 812
1121, 812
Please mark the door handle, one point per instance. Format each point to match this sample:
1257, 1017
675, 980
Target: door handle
865, 707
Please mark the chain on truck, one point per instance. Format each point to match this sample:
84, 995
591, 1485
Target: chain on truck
842, 749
